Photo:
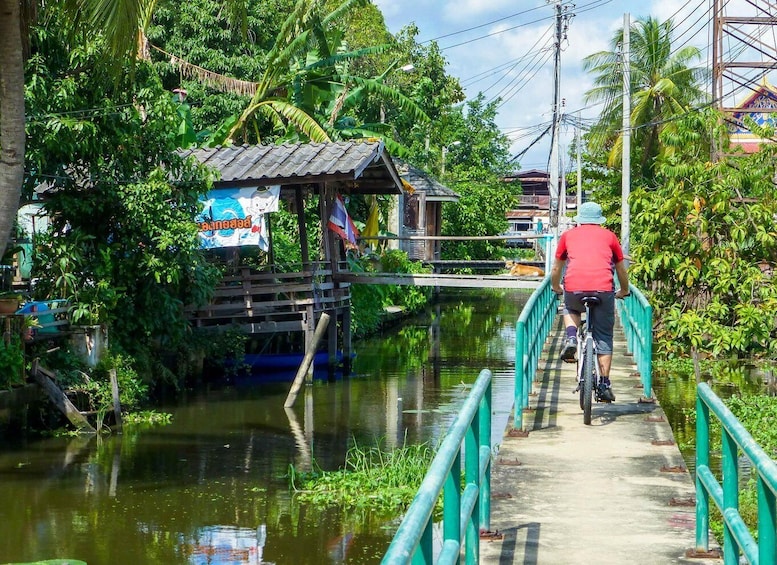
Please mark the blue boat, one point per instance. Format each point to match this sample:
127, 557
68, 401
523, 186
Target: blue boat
272, 362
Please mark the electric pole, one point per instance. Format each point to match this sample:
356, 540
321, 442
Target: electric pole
626, 137
562, 23
579, 200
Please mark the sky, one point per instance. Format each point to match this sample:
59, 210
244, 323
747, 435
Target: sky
504, 48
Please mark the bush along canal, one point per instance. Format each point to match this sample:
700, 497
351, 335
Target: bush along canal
215, 484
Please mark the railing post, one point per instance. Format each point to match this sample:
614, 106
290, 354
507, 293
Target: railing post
424, 555
520, 370
484, 416
767, 524
472, 465
647, 358
702, 461
452, 502
730, 495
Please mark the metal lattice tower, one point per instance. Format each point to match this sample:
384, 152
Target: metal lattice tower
736, 44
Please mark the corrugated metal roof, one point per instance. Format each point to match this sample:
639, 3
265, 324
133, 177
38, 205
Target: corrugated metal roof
435, 191
366, 163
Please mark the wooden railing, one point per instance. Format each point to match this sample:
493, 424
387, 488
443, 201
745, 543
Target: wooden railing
265, 301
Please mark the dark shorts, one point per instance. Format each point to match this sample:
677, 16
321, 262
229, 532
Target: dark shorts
602, 316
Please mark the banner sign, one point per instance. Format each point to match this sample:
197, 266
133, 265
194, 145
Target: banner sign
233, 217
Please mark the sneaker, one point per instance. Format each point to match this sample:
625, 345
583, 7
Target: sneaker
569, 351
605, 391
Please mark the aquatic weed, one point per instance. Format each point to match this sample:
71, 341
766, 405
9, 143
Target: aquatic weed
372, 478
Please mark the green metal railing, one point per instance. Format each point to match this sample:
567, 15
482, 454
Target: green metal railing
532, 329
637, 321
465, 512
736, 536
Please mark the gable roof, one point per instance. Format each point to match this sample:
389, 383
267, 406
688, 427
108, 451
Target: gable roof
422, 182
759, 106
365, 167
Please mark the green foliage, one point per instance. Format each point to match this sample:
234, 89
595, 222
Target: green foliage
373, 478
123, 247
11, 361
412, 298
368, 302
146, 419
705, 246
200, 33
480, 211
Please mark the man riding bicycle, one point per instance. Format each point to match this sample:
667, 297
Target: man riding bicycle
590, 252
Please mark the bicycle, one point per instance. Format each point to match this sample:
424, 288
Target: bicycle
588, 375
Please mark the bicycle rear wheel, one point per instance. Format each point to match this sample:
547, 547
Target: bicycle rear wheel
587, 390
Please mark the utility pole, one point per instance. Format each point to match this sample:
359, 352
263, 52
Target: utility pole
553, 169
562, 20
626, 137
579, 161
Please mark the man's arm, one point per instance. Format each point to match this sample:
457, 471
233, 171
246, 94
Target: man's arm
555, 275
623, 278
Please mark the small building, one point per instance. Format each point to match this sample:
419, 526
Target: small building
533, 211
421, 207
271, 300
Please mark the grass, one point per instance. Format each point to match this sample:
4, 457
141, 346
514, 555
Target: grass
371, 479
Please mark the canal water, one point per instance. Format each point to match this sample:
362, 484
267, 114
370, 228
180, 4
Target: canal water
212, 487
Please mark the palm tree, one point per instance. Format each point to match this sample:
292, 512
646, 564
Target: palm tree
663, 86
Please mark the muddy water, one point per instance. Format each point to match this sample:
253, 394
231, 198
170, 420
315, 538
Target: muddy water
212, 487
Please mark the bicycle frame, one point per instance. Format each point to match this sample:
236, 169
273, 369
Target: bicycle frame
588, 372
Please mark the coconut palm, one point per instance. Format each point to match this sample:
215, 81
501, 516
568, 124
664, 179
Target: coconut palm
664, 85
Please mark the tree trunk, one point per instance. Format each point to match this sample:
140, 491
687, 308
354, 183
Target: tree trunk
12, 134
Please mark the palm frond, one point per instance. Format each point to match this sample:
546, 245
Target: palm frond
406, 104
343, 9
335, 58
299, 119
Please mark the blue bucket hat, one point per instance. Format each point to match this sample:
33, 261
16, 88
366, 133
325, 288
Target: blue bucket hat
590, 213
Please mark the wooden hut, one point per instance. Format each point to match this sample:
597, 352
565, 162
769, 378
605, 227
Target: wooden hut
270, 300
422, 211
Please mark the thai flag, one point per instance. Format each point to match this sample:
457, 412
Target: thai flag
340, 223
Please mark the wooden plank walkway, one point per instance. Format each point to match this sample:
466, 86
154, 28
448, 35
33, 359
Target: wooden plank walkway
611, 493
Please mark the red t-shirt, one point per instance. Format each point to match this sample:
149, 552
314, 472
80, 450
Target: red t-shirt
591, 253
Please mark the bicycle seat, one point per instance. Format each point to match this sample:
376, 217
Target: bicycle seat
590, 300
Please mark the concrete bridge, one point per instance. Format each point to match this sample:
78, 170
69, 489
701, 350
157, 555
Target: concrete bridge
612, 493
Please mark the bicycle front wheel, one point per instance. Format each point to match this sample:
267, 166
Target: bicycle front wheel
587, 390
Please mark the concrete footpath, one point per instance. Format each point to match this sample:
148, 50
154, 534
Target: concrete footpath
615, 492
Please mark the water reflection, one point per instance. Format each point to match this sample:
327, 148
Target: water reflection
676, 391
213, 486
227, 545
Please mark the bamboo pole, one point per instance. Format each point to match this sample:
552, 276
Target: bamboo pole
323, 322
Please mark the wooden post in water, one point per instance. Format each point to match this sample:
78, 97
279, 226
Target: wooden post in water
44, 379
307, 361
347, 345
116, 401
